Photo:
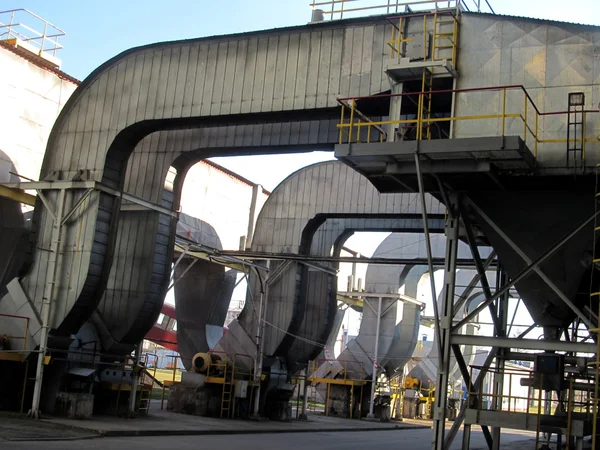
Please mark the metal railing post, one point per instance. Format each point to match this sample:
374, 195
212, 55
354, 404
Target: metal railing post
503, 111
525, 118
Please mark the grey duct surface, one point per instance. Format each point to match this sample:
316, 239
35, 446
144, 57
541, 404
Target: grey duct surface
319, 290
300, 204
534, 233
202, 298
202, 292
14, 229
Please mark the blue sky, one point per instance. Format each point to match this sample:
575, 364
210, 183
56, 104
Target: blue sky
99, 29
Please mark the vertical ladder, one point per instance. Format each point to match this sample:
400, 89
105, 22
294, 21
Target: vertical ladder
145, 397
442, 38
595, 296
228, 392
424, 105
576, 129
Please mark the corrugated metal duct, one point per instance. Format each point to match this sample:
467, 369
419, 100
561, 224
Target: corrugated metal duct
252, 93
307, 213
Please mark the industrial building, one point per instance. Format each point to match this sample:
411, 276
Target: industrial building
472, 137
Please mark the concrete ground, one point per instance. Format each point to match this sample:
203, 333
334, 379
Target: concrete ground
414, 439
163, 430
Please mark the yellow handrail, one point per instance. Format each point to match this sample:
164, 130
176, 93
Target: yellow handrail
532, 131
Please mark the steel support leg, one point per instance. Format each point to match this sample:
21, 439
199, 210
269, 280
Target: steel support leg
502, 314
260, 340
135, 376
445, 322
375, 356
461, 416
47, 300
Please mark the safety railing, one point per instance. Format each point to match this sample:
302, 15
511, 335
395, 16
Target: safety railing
345, 370
14, 25
171, 382
579, 400
17, 354
506, 400
340, 9
516, 114
241, 373
338, 372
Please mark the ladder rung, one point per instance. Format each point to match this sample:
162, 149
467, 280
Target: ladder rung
445, 21
445, 33
444, 46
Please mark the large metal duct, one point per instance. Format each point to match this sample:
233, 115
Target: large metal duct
202, 293
289, 222
186, 87
318, 289
13, 228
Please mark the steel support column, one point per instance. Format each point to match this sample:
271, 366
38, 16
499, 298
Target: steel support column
375, 355
48, 296
445, 325
135, 380
260, 340
498, 383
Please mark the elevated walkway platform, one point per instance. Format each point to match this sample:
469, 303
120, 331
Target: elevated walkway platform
390, 166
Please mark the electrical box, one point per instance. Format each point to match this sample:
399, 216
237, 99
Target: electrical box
241, 389
418, 47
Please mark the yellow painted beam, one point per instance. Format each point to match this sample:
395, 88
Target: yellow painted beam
17, 195
350, 301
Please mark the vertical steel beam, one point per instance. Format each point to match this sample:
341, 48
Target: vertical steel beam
498, 379
445, 323
429, 253
135, 380
260, 338
47, 299
375, 355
